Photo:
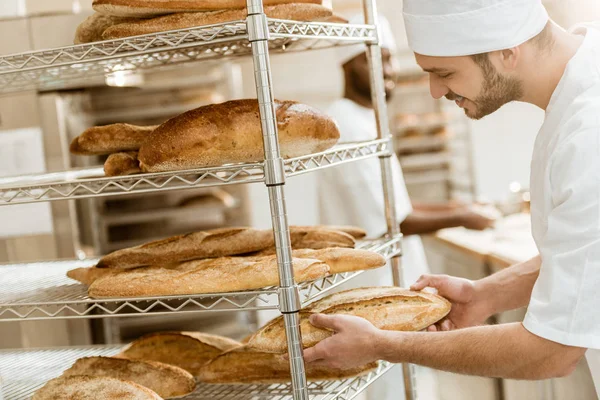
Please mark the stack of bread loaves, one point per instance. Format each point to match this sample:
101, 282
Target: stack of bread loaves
223, 260
116, 19
212, 135
165, 364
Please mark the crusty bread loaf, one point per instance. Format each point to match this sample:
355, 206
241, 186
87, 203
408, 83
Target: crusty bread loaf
337, 259
242, 365
343, 260
226, 274
355, 232
119, 164
220, 243
93, 388
148, 8
388, 308
231, 133
93, 27
108, 139
296, 12
187, 350
166, 380
213, 243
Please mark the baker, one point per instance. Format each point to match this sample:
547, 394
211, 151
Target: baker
483, 54
352, 194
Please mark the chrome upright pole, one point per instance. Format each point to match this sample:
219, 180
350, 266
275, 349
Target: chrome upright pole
289, 298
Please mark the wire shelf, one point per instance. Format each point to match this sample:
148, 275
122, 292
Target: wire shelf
25, 371
91, 182
40, 291
71, 66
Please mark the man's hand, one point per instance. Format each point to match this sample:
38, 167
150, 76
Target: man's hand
470, 218
355, 342
469, 307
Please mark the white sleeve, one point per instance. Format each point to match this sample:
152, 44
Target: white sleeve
565, 302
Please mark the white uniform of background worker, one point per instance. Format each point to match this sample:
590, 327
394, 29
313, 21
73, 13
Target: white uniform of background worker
483, 54
352, 194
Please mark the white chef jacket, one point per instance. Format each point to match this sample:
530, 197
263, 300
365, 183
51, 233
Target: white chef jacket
565, 208
352, 194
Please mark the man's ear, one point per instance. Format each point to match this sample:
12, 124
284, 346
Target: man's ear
506, 60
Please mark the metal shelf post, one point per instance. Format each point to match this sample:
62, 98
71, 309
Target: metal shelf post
383, 130
289, 300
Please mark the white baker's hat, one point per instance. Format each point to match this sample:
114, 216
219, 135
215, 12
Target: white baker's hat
466, 27
387, 41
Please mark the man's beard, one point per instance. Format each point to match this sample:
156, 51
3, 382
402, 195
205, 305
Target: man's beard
497, 91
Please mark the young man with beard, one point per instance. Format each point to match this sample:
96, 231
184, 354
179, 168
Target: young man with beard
352, 194
483, 54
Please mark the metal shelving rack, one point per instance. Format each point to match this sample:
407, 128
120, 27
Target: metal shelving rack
39, 291
45, 296
27, 371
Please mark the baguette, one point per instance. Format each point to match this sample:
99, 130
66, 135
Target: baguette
214, 243
337, 259
93, 27
388, 308
355, 232
343, 260
231, 133
296, 12
120, 164
167, 381
149, 8
226, 274
219, 243
93, 388
244, 366
108, 139
187, 350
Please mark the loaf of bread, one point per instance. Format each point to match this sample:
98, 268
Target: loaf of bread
244, 366
337, 259
197, 245
231, 133
119, 164
108, 139
388, 308
91, 387
148, 8
355, 232
93, 27
343, 260
220, 243
295, 12
187, 350
166, 380
226, 274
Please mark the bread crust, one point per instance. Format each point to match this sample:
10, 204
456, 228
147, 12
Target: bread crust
231, 133
388, 308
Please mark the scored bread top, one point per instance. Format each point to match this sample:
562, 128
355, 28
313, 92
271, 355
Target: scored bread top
231, 132
187, 350
242, 365
388, 308
168, 381
225, 274
214, 243
81, 387
296, 12
149, 8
